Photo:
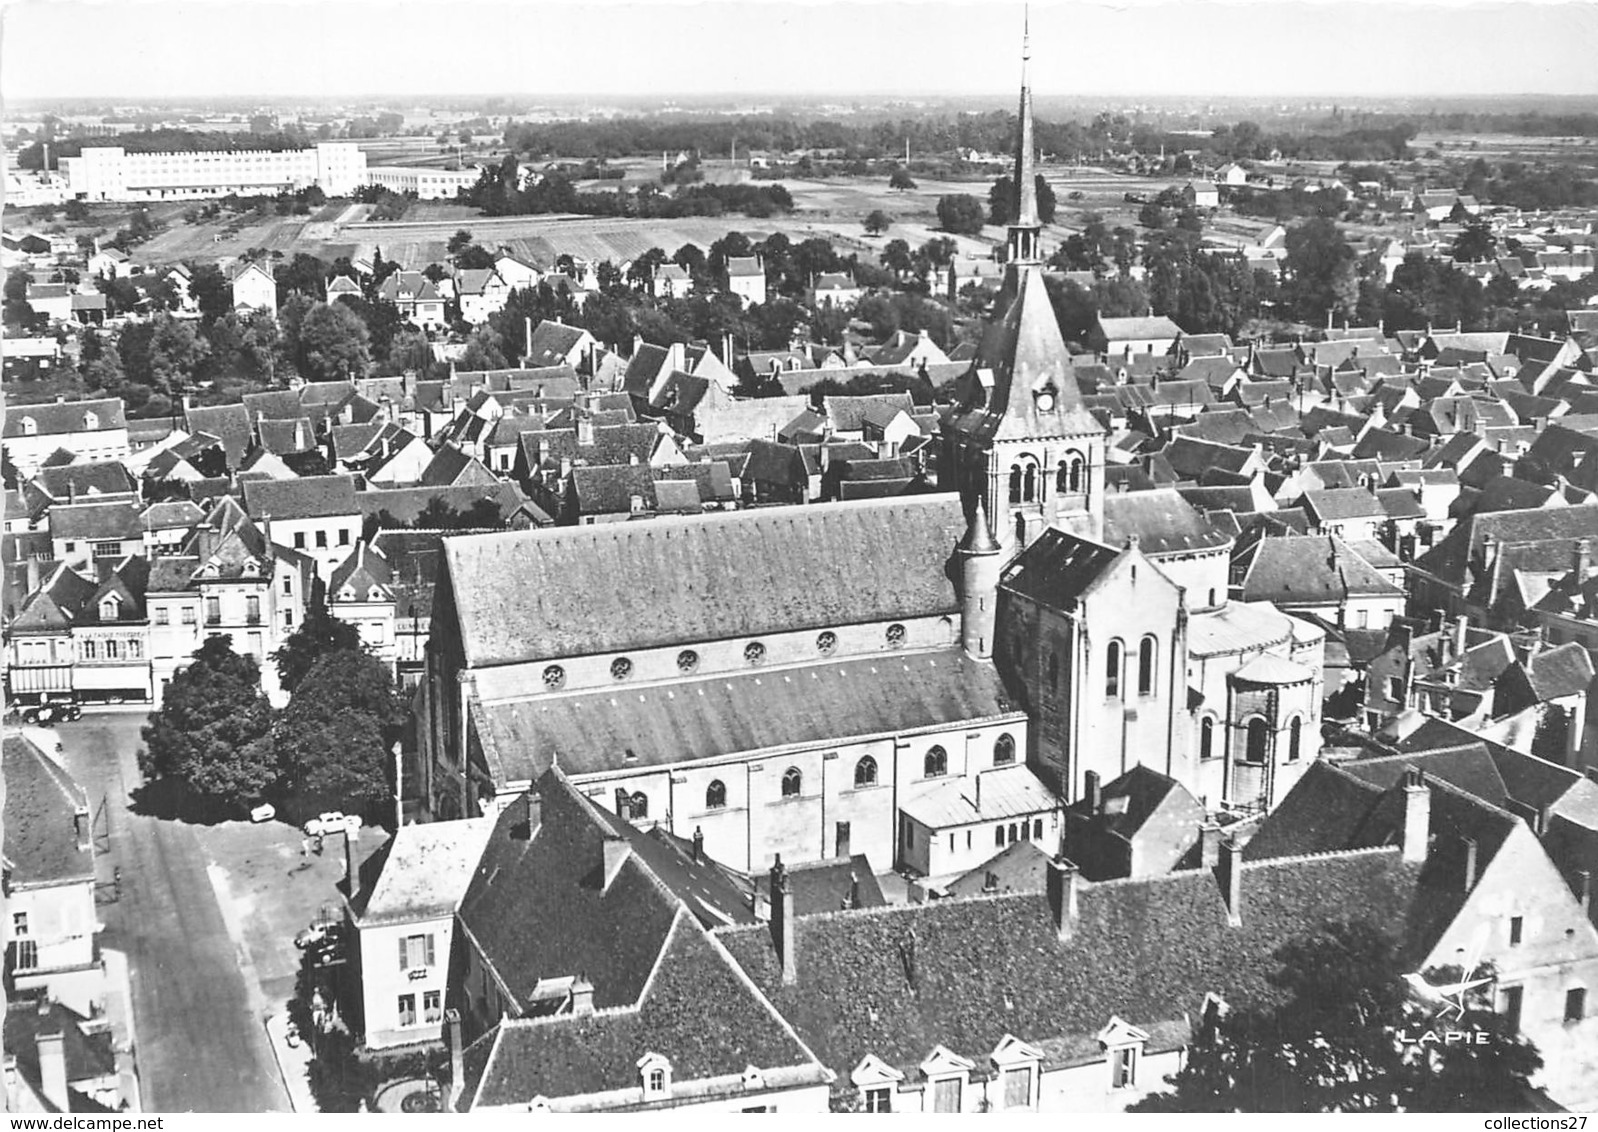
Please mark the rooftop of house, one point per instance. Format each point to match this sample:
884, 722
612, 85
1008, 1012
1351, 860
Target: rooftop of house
44, 807
1310, 568
425, 869
310, 497
1163, 522
64, 417
992, 795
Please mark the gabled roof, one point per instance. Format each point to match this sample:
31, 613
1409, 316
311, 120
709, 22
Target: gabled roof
425, 870
1310, 569
523, 595
113, 520
63, 417
310, 497
1163, 522
42, 804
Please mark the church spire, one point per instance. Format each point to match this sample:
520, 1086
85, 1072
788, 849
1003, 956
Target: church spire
1022, 244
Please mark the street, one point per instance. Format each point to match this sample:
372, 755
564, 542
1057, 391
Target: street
201, 1043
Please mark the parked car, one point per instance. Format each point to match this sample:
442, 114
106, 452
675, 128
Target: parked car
51, 712
264, 812
326, 824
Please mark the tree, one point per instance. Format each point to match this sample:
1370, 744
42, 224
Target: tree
1322, 267
332, 343
176, 351
961, 214
333, 739
459, 240
1476, 243
474, 257
899, 180
211, 290
318, 635
1001, 200
877, 221
1338, 1040
17, 280
212, 734
896, 257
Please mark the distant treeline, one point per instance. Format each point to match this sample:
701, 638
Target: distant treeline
498, 193
161, 141
1530, 123
992, 133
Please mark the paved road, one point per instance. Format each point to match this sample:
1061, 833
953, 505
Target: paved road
201, 1043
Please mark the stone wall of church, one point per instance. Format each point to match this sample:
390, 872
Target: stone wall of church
690, 659
757, 820
1201, 574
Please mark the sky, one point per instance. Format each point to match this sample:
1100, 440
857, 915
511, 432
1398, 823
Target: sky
131, 49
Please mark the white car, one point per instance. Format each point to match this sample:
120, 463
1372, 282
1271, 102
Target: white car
325, 825
264, 812
352, 823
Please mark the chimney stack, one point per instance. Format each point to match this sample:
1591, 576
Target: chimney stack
1583, 562
1229, 872
1209, 845
782, 927
1584, 890
1470, 863
1461, 635
1417, 815
1062, 892
457, 1058
1092, 791
83, 826
352, 870
582, 996
53, 1069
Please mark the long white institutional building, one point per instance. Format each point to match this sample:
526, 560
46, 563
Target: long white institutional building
338, 168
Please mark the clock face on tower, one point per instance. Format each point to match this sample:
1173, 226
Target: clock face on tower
1045, 402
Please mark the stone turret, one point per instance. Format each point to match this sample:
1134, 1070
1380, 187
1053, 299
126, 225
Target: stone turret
981, 562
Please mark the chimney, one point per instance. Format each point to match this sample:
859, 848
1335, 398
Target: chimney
616, 850
1583, 560
1229, 872
977, 787
853, 899
1092, 791
1470, 863
782, 931
638, 344
582, 996
352, 870
1584, 890
457, 1058
699, 844
1209, 845
34, 574
1062, 892
585, 431
1417, 815
1461, 635
53, 1069
528, 324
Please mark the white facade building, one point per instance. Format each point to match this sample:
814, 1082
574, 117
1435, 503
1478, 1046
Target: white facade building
112, 173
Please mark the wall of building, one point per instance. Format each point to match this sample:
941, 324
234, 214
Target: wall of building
383, 982
28, 453
112, 173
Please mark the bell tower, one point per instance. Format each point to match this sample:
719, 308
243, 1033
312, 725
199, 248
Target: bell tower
1024, 239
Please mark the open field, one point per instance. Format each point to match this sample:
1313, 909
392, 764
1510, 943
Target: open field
1503, 145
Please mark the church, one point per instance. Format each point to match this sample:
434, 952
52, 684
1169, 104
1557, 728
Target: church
921, 680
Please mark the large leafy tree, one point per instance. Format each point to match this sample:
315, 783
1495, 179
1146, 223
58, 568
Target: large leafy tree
960, 213
335, 736
332, 343
213, 732
318, 635
1340, 1040
1321, 264
1001, 200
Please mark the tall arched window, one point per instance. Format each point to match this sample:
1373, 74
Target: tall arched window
1258, 740
1112, 669
792, 780
1206, 738
1147, 653
1015, 483
716, 795
1024, 481
936, 763
1068, 477
1295, 736
1004, 750
640, 805
865, 772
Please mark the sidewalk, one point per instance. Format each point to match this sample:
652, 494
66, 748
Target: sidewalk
119, 1011
293, 1064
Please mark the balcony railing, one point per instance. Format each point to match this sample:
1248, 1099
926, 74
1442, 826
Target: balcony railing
252, 619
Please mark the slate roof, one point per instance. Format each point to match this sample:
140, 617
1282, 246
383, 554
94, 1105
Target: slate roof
105, 477
1298, 569
1469, 767
524, 595
41, 800
1458, 552
310, 497
231, 423
1019, 867
114, 520
898, 981
727, 714
552, 342
827, 885
86, 1049
1162, 520
64, 417
406, 504
1058, 569
1156, 326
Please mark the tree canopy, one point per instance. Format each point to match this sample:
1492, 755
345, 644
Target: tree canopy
212, 733
960, 213
334, 737
318, 635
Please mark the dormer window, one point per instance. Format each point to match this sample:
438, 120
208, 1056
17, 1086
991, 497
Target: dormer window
91, 421
1123, 1049
1017, 1065
947, 1074
109, 609
1044, 399
30, 427
877, 1081
655, 1072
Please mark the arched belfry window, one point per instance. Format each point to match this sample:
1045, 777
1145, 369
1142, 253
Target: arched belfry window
1024, 481
1070, 477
